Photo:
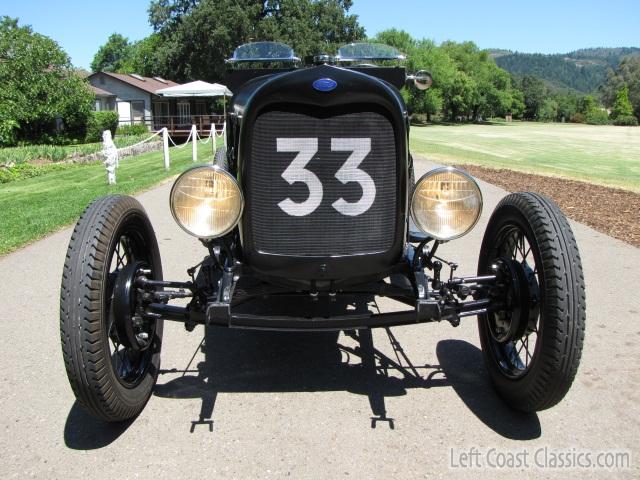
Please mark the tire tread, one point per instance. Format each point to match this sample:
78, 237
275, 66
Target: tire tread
564, 309
80, 309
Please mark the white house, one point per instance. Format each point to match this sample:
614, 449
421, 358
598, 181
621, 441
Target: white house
138, 99
133, 96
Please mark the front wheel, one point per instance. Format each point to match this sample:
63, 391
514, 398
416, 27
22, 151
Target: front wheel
532, 341
112, 355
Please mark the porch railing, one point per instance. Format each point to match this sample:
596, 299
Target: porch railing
176, 123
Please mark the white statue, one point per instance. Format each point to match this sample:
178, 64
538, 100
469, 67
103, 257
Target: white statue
110, 153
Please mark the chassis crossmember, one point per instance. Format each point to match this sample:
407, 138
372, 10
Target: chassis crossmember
223, 296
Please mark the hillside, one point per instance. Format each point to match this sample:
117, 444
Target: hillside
583, 70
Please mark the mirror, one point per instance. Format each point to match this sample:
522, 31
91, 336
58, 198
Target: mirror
422, 80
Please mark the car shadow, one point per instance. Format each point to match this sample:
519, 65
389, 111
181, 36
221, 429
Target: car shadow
237, 360
262, 361
463, 366
84, 432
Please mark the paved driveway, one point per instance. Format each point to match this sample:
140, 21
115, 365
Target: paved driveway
249, 404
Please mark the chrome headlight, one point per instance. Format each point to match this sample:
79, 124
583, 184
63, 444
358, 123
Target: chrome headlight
446, 203
206, 201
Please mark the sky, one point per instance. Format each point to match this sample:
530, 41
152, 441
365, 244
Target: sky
545, 26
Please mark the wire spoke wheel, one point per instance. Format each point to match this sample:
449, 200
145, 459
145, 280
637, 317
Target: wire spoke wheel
128, 363
532, 340
516, 355
111, 376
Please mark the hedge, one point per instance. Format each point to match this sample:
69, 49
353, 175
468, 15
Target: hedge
98, 122
597, 117
135, 129
626, 121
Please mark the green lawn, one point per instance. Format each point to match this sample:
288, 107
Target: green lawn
57, 153
31, 208
605, 155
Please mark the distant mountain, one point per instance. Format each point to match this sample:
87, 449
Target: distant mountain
583, 70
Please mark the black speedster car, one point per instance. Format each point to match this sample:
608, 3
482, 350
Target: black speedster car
311, 211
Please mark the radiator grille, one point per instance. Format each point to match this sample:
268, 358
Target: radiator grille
325, 231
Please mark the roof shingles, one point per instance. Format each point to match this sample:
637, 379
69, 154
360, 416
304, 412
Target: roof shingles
149, 85
100, 92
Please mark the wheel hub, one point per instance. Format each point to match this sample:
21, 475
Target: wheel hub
516, 284
133, 330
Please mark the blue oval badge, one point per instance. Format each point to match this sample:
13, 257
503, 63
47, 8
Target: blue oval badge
325, 84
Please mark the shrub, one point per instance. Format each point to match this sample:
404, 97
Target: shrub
597, 117
577, 118
419, 119
548, 111
32, 153
26, 170
58, 153
98, 122
136, 129
17, 172
626, 120
8, 130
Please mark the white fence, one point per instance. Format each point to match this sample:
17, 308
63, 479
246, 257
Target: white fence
112, 153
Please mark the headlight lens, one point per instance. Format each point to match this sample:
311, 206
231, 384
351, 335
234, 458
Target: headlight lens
446, 203
206, 201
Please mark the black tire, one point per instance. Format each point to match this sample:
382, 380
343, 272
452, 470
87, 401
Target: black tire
220, 158
559, 311
113, 225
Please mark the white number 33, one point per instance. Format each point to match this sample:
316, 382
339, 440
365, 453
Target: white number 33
349, 172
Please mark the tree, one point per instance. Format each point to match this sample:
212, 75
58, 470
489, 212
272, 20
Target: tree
427, 56
482, 89
121, 56
592, 112
567, 105
401, 40
564, 70
196, 36
517, 103
143, 58
463, 93
627, 73
548, 111
622, 107
587, 105
39, 87
467, 83
421, 55
534, 91
113, 55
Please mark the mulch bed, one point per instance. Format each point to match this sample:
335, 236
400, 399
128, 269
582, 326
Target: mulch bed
612, 211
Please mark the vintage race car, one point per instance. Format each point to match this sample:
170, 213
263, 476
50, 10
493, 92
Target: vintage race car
310, 213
